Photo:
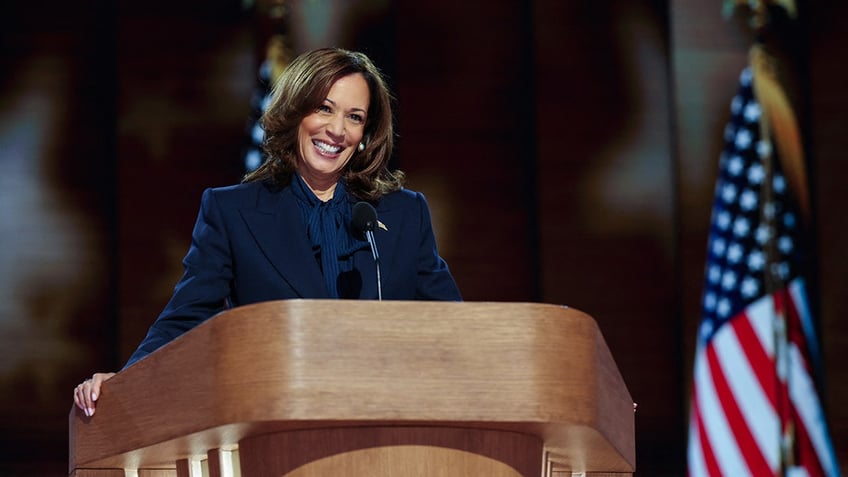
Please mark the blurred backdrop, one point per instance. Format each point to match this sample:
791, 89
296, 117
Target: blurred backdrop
569, 152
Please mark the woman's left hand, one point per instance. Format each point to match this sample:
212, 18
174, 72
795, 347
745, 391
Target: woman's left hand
87, 392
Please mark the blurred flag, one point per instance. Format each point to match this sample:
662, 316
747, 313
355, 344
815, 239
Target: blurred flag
755, 409
278, 57
253, 154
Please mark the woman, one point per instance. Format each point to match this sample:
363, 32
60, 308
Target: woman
285, 231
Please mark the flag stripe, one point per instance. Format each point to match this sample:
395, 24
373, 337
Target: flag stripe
716, 429
757, 358
807, 406
795, 331
798, 291
756, 403
761, 316
748, 447
703, 449
697, 467
807, 456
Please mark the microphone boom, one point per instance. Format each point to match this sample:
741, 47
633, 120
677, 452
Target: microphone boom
364, 217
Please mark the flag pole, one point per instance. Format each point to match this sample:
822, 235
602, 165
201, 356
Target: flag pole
774, 100
780, 133
774, 283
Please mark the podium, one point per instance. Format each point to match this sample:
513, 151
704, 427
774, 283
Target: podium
302, 388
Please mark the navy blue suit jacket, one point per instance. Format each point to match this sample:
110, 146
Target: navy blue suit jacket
250, 245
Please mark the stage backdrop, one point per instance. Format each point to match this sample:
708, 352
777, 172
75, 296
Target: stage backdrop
568, 150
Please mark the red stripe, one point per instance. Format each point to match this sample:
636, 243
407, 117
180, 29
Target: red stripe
795, 330
806, 454
706, 449
761, 363
757, 463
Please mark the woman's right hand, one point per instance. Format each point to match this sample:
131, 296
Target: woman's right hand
87, 392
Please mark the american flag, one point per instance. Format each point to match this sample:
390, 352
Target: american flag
755, 409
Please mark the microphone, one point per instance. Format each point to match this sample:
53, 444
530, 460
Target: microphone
364, 219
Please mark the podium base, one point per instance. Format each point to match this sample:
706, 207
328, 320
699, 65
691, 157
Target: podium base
392, 452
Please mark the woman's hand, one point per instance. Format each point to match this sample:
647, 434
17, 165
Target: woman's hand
86, 393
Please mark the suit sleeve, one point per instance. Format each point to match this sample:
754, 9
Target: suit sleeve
434, 280
205, 285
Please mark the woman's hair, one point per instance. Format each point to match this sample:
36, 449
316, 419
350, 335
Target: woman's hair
300, 90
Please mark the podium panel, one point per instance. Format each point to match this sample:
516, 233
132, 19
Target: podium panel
393, 451
369, 381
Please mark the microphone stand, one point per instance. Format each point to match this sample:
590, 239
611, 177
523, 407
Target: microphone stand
369, 234
363, 219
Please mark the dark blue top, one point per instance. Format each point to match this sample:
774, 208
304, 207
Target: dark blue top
250, 244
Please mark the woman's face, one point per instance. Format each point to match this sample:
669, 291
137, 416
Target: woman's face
328, 137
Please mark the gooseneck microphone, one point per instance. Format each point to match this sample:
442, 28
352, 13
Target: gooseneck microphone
364, 219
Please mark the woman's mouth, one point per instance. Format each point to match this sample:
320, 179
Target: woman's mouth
327, 149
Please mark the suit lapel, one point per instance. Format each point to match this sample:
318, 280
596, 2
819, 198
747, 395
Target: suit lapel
387, 239
276, 225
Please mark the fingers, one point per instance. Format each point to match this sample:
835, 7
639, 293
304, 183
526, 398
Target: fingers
82, 395
87, 392
78, 393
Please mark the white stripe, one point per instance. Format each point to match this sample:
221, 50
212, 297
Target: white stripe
759, 414
797, 472
719, 435
761, 316
824, 449
697, 466
805, 398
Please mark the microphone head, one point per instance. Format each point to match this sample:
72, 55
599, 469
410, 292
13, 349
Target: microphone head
364, 217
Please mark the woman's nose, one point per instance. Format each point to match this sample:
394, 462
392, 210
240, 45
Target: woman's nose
335, 125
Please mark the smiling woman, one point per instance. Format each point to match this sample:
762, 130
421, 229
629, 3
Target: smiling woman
286, 231
331, 93
329, 137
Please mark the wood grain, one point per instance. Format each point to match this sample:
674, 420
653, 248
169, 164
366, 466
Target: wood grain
540, 370
98, 473
392, 451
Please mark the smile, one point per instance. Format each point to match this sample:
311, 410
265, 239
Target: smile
326, 148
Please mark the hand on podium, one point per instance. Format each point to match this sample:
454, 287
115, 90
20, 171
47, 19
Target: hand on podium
87, 392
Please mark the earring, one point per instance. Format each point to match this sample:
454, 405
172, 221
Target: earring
361, 147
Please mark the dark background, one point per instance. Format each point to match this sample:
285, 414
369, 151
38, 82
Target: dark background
568, 151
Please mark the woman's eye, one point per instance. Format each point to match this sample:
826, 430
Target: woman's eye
324, 109
357, 118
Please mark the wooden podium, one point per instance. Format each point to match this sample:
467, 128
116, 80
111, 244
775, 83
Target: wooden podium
302, 388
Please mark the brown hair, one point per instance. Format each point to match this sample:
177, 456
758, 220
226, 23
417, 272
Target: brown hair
300, 90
